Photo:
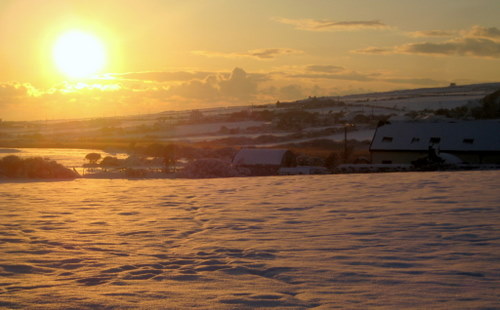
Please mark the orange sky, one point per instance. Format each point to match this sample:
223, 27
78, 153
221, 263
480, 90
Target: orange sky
171, 55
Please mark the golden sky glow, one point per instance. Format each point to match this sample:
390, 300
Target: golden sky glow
157, 55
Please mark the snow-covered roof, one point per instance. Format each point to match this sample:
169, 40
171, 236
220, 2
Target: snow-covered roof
259, 157
481, 135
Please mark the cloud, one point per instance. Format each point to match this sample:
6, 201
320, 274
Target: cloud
477, 42
196, 89
474, 47
374, 51
432, 33
491, 33
13, 92
330, 25
132, 93
163, 76
269, 53
149, 92
239, 85
346, 76
203, 86
214, 87
261, 54
308, 77
324, 68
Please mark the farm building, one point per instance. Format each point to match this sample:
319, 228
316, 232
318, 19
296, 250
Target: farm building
264, 161
474, 142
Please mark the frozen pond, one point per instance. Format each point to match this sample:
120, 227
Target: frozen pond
389, 241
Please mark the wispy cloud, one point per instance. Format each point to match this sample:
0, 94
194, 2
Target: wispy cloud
331, 25
477, 42
347, 76
432, 34
474, 47
324, 68
261, 54
344, 74
374, 51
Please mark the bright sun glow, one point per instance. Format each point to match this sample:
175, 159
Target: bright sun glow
78, 54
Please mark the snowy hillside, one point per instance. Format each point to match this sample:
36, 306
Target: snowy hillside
322, 117
417, 99
428, 98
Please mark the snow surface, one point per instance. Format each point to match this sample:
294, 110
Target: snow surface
365, 241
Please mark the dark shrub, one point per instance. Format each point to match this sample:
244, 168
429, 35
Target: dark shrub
110, 161
34, 168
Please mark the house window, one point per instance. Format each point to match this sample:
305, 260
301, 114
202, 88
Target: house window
387, 139
468, 141
415, 140
434, 140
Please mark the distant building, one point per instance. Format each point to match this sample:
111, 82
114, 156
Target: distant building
474, 142
264, 161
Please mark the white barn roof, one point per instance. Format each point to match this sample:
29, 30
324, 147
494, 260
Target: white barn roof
481, 135
259, 157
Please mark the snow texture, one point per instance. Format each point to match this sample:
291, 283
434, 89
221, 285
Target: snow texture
366, 241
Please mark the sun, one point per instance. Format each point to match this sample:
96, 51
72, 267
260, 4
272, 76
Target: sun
79, 54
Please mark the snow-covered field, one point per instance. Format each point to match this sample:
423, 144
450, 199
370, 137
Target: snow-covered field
367, 241
427, 98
